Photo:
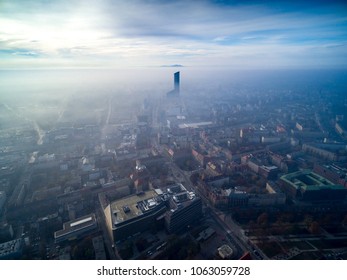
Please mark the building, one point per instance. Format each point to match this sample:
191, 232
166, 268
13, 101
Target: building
185, 209
225, 252
201, 157
217, 181
236, 198
205, 234
340, 129
11, 250
6, 232
309, 186
76, 228
176, 209
177, 82
332, 152
99, 249
270, 140
140, 177
18, 195
2, 200
134, 214
269, 199
214, 169
176, 91
333, 172
268, 172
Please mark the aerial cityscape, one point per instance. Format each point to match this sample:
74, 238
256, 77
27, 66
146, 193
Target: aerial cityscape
218, 135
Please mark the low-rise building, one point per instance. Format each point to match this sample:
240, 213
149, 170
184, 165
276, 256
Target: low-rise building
269, 199
309, 186
225, 252
268, 172
217, 181
76, 228
11, 250
333, 172
332, 152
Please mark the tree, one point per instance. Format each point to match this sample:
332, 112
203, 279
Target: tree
263, 219
308, 220
251, 227
314, 228
83, 250
127, 251
141, 244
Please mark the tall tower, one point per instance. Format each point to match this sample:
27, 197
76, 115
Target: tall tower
177, 82
176, 91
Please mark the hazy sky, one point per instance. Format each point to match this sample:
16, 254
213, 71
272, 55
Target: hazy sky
140, 33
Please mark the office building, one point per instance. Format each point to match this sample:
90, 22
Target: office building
175, 209
185, 209
134, 214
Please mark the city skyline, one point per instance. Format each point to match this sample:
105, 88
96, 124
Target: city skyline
116, 34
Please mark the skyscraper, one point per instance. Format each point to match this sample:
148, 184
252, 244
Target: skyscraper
176, 91
177, 82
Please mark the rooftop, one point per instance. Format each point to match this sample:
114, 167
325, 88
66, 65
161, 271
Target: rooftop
225, 251
309, 180
10, 247
194, 125
269, 168
180, 197
76, 225
337, 169
134, 206
176, 188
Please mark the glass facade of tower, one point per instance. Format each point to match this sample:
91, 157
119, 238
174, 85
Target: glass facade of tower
177, 81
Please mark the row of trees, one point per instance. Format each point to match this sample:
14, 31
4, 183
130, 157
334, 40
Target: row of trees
267, 223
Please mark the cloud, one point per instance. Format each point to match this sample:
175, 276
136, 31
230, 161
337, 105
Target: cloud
172, 65
119, 33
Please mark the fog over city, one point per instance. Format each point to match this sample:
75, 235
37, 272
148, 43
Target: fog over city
173, 130
44, 94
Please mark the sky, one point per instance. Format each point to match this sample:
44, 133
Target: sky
151, 33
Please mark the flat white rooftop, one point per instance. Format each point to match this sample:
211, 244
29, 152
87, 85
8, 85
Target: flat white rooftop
81, 222
194, 125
